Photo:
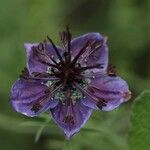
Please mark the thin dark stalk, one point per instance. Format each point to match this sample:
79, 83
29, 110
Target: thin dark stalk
53, 61
88, 67
80, 53
51, 65
56, 50
69, 42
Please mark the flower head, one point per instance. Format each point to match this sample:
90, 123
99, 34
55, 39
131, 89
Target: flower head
68, 82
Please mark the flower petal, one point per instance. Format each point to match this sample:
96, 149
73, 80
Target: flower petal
109, 91
33, 61
91, 56
29, 98
79, 113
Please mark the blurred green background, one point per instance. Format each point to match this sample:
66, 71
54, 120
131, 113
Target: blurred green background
127, 25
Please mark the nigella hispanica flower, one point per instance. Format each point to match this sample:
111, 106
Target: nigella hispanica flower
68, 82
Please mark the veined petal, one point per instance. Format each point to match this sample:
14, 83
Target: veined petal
71, 118
34, 60
109, 92
30, 98
92, 56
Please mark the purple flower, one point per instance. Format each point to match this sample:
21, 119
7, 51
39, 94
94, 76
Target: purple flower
68, 82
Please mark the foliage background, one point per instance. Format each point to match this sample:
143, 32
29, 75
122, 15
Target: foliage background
127, 25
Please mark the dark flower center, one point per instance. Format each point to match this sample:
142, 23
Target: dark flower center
68, 69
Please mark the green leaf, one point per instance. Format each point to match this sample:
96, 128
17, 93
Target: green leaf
13, 125
34, 123
109, 135
139, 133
41, 128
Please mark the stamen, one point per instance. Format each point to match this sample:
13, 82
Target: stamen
36, 107
42, 74
80, 53
93, 46
51, 65
43, 57
65, 37
100, 102
111, 70
56, 50
57, 83
68, 98
39, 104
66, 57
69, 119
51, 58
95, 75
69, 42
68, 102
37, 76
41, 46
25, 74
44, 99
52, 70
92, 87
90, 67
84, 91
44, 79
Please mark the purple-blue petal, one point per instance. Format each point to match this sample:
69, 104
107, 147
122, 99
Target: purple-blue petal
25, 95
33, 63
112, 89
98, 56
80, 113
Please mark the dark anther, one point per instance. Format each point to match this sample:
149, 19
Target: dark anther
52, 70
95, 44
66, 55
24, 73
91, 90
69, 119
47, 91
111, 70
57, 83
101, 103
73, 88
59, 63
36, 74
79, 65
38, 51
41, 46
33, 48
36, 107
